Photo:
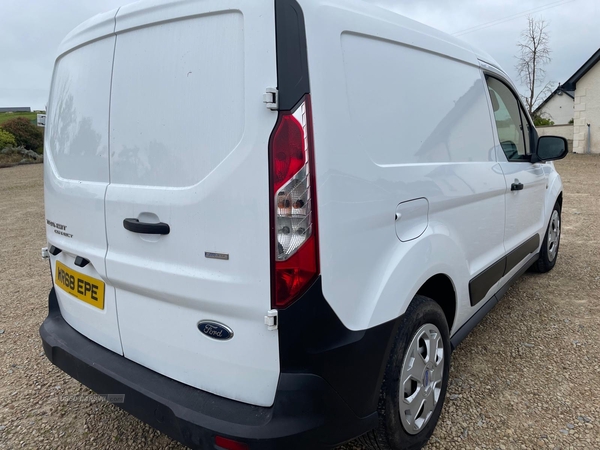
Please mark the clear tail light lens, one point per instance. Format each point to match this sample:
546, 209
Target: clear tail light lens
294, 210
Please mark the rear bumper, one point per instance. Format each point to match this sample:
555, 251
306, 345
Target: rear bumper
307, 412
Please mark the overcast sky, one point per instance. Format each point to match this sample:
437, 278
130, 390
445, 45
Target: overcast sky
31, 31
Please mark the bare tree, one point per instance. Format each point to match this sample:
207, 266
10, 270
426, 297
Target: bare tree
534, 54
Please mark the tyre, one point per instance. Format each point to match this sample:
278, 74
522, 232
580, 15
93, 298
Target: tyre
551, 243
415, 381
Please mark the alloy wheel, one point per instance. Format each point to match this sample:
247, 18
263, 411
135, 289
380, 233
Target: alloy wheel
421, 378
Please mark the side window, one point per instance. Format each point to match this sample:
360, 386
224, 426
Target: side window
526, 131
509, 121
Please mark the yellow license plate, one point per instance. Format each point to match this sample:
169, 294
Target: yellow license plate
85, 288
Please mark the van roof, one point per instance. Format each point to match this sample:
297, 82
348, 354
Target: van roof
103, 24
95, 28
403, 21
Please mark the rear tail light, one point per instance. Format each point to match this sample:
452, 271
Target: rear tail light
294, 220
229, 444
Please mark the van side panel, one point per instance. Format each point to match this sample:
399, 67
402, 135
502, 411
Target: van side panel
399, 114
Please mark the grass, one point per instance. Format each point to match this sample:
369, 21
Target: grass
8, 116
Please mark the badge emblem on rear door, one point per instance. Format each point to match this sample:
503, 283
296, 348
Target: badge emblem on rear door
215, 330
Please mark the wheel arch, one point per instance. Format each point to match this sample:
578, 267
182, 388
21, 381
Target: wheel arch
440, 289
554, 195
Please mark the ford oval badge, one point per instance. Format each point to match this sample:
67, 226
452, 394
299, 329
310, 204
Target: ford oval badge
215, 330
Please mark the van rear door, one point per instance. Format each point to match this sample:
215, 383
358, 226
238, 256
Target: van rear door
189, 139
76, 175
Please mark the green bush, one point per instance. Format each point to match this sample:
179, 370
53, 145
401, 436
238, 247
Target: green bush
26, 134
542, 122
6, 139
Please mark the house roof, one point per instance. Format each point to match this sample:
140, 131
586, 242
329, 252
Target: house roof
559, 88
570, 85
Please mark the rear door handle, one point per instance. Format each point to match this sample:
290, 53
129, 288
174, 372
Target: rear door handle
135, 226
516, 186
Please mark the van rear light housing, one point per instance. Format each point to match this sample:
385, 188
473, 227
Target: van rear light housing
295, 256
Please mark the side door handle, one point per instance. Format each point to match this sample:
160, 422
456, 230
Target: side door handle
516, 186
135, 226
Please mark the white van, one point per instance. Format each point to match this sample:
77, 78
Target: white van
269, 222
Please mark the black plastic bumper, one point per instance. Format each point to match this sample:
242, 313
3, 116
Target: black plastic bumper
307, 412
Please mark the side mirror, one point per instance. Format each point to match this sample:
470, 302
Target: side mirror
550, 148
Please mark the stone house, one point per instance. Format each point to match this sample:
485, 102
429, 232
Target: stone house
582, 92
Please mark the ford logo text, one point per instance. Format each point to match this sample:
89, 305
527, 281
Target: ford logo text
215, 330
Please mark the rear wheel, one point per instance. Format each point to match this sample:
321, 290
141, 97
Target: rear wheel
415, 381
549, 249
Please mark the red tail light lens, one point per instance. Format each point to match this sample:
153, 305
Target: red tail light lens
294, 224
288, 150
229, 444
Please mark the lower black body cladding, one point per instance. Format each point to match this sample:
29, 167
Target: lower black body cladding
482, 283
313, 339
308, 411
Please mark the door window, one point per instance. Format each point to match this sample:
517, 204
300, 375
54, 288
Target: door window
526, 131
511, 123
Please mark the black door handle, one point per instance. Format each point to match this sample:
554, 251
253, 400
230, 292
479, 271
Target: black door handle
136, 226
516, 187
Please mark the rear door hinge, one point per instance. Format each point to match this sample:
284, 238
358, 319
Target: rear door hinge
271, 319
271, 99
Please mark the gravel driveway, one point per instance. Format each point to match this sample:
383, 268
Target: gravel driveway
527, 377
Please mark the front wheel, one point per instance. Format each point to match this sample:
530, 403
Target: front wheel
415, 381
549, 250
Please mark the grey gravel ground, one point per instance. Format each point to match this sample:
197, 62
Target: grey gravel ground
527, 377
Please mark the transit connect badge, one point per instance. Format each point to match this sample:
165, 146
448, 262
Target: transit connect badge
215, 330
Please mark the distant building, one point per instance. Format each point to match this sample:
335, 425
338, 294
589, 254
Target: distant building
16, 109
578, 99
558, 107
